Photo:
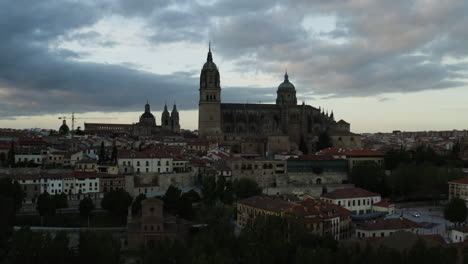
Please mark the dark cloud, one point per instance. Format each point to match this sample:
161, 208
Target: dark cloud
377, 47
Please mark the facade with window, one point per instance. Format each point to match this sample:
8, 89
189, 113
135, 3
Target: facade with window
146, 162
357, 200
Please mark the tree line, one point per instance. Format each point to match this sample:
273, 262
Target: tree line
411, 174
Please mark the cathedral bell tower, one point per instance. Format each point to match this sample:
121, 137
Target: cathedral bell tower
209, 107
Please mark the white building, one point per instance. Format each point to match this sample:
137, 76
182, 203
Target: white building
386, 227
146, 162
459, 234
357, 200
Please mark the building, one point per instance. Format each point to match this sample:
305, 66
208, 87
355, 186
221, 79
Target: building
319, 217
146, 127
459, 234
146, 161
459, 189
279, 126
382, 206
261, 205
386, 227
323, 218
317, 169
354, 156
264, 172
152, 226
357, 200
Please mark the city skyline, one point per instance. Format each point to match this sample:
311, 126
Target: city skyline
380, 67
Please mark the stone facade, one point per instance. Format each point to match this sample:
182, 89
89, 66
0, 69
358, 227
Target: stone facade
300, 124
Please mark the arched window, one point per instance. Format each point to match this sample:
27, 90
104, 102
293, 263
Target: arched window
318, 181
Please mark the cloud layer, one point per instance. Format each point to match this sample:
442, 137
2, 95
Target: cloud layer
373, 47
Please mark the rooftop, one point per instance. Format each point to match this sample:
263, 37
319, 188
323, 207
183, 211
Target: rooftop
346, 193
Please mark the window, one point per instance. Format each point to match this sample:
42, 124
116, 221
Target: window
147, 163
138, 163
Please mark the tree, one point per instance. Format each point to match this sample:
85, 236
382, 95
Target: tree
11, 197
136, 205
98, 248
86, 206
45, 205
455, 211
60, 201
117, 202
11, 155
324, 141
171, 199
370, 176
208, 190
102, 153
245, 187
114, 153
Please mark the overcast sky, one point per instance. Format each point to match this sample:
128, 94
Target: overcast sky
380, 65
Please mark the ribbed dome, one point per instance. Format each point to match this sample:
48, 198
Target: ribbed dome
286, 85
147, 115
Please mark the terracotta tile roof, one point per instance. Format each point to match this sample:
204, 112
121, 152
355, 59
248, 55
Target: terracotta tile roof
346, 193
463, 229
314, 157
269, 203
313, 210
460, 181
362, 152
389, 224
384, 204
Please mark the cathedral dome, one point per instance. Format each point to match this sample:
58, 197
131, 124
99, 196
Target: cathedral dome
286, 85
147, 115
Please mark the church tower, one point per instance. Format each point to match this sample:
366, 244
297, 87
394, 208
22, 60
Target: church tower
175, 126
209, 107
165, 119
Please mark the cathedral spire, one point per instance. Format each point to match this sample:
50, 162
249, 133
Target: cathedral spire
210, 57
286, 77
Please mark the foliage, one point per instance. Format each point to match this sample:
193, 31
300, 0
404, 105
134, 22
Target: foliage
86, 206
117, 202
171, 199
455, 211
45, 205
98, 248
136, 205
369, 175
324, 141
60, 200
245, 187
36, 247
180, 204
11, 197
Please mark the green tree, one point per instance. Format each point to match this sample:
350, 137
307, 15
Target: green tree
45, 205
370, 176
60, 201
324, 141
86, 206
102, 153
117, 202
11, 197
171, 199
136, 205
455, 211
245, 187
209, 189
11, 155
98, 248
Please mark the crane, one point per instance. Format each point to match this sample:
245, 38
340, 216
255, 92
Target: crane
73, 118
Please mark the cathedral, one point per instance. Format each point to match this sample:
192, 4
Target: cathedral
146, 127
282, 126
